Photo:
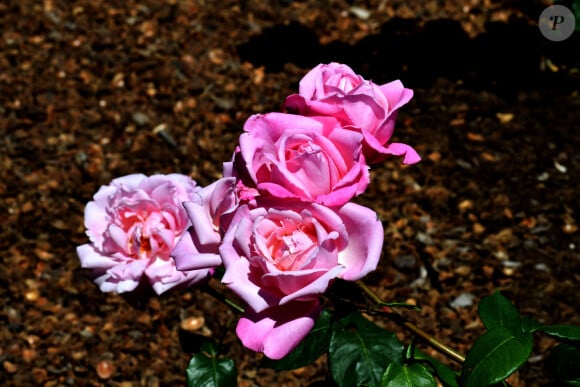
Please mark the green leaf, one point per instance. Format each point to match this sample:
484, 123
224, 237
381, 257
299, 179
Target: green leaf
360, 351
206, 370
497, 311
569, 332
530, 325
412, 375
311, 348
446, 375
576, 10
562, 363
494, 356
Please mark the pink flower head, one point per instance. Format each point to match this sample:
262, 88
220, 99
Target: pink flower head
209, 211
336, 90
310, 158
133, 225
285, 253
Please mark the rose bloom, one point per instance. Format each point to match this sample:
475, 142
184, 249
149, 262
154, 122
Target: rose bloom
209, 211
282, 255
310, 158
133, 225
336, 90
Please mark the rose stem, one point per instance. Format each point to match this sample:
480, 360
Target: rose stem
397, 318
215, 289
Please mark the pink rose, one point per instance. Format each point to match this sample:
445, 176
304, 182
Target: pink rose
278, 330
336, 90
281, 256
209, 211
133, 225
310, 158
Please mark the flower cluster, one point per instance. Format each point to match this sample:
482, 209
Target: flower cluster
280, 221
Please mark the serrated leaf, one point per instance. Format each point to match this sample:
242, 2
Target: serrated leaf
360, 351
497, 311
445, 374
411, 375
568, 332
562, 363
206, 370
494, 356
311, 348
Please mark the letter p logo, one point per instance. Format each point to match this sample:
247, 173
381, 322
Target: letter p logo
557, 23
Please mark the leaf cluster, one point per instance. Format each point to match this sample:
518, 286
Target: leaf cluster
360, 353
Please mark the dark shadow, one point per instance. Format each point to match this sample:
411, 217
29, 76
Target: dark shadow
505, 58
282, 44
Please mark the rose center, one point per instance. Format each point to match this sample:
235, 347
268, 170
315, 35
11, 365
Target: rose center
346, 84
298, 151
290, 246
145, 233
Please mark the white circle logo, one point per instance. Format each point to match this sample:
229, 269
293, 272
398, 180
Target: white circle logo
557, 23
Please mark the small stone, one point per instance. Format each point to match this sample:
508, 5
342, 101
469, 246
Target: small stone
488, 270
463, 300
9, 367
474, 137
512, 264
140, 118
216, 56
42, 254
542, 267
27, 207
32, 295
463, 270
40, 375
105, 369
434, 157
28, 355
78, 355
569, 228
424, 238
465, 205
411, 301
504, 118
192, 323
360, 12
478, 228
508, 271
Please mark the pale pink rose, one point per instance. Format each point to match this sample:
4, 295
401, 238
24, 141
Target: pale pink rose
209, 211
310, 158
277, 330
285, 253
133, 225
336, 90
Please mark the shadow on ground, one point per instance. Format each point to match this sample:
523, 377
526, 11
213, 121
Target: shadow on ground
508, 56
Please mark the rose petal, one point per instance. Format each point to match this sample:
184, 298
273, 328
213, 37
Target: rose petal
365, 241
277, 331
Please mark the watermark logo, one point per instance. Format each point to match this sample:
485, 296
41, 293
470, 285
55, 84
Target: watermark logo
557, 23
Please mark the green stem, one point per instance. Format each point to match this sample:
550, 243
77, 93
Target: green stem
215, 289
400, 320
218, 291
